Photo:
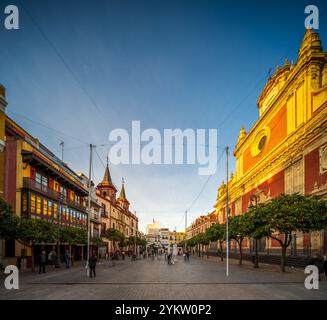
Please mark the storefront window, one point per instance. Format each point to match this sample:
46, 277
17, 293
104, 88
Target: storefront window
33, 203
38, 205
55, 212
50, 205
45, 207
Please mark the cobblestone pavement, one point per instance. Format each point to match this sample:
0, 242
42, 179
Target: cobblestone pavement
148, 279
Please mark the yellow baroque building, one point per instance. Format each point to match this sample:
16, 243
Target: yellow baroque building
285, 151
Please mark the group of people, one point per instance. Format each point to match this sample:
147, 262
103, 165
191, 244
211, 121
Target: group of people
52, 259
169, 257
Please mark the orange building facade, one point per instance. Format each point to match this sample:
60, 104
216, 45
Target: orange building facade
285, 151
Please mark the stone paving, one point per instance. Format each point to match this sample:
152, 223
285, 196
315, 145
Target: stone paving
203, 279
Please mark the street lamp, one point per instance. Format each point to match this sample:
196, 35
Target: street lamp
256, 264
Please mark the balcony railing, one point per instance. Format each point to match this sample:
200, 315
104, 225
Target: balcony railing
31, 184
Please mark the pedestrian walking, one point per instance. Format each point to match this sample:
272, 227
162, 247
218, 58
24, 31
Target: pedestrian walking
169, 257
68, 259
92, 265
42, 260
187, 255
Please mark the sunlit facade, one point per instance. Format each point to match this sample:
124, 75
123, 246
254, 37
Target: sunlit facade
38, 185
285, 151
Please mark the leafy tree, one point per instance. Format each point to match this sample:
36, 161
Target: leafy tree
238, 228
33, 231
142, 243
217, 232
257, 230
97, 241
201, 239
192, 242
114, 235
286, 214
122, 241
8, 222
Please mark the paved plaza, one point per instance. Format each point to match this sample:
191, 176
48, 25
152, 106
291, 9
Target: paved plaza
155, 279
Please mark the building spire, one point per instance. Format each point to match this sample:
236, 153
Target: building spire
106, 184
122, 195
107, 176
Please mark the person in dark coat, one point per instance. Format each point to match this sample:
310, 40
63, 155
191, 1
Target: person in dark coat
42, 260
92, 265
169, 257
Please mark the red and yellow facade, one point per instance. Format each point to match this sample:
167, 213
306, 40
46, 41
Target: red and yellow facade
38, 185
285, 151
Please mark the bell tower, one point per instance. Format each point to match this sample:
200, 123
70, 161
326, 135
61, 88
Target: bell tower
106, 187
122, 200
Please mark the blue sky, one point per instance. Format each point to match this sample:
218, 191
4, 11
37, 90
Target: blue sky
170, 64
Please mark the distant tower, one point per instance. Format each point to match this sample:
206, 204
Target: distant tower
122, 200
106, 187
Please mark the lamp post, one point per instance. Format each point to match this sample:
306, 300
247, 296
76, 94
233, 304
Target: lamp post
89, 212
185, 232
256, 262
61, 204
